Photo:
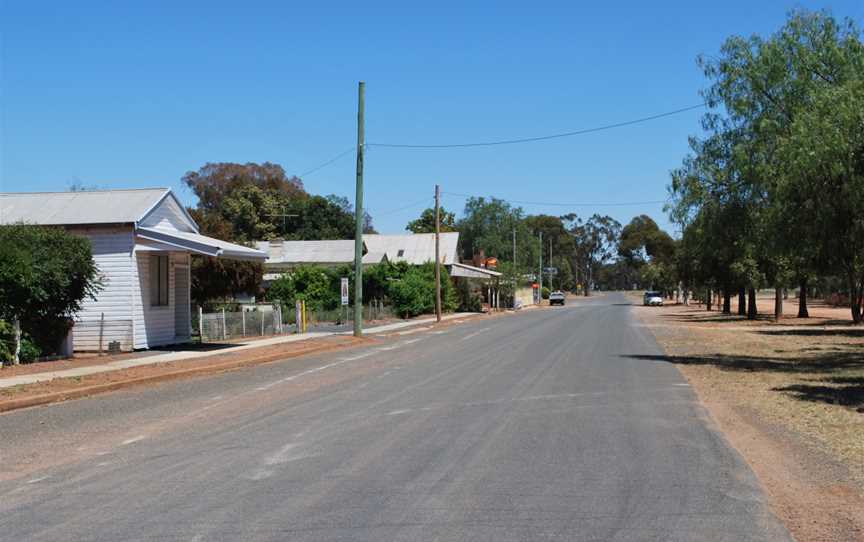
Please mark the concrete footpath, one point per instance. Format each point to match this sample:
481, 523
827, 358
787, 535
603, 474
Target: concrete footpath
47, 376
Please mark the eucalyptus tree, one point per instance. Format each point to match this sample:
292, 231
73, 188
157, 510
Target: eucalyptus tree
596, 243
825, 157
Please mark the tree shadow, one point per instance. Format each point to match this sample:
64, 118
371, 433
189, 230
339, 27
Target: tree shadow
842, 390
848, 392
857, 332
824, 363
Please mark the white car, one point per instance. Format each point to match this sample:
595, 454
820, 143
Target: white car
652, 299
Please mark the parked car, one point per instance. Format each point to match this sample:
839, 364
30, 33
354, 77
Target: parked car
556, 298
654, 299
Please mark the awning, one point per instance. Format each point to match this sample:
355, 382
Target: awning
201, 244
469, 271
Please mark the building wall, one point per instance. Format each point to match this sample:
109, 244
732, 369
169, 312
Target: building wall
155, 325
525, 295
112, 253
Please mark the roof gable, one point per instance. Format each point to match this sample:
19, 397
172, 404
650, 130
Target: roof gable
80, 208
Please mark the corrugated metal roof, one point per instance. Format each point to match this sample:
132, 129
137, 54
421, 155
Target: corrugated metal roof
298, 252
416, 248
69, 208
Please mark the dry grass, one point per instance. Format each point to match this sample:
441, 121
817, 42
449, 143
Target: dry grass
803, 375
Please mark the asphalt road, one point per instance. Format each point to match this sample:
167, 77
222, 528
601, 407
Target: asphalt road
543, 425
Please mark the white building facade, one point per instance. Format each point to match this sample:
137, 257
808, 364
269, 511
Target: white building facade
142, 243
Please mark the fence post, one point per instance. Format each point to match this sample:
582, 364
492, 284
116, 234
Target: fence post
224, 329
243, 315
201, 323
101, 331
298, 316
262, 322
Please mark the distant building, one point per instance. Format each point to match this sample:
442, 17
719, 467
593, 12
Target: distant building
283, 256
142, 242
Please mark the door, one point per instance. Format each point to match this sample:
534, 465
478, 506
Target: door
182, 317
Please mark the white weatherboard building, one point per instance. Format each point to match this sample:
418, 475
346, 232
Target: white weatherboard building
142, 243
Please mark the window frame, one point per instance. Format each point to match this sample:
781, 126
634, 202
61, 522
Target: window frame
160, 280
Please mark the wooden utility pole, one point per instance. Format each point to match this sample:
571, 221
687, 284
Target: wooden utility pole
358, 210
437, 253
540, 297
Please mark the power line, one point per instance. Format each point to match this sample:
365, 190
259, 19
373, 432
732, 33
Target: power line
409, 206
327, 163
559, 204
540, 138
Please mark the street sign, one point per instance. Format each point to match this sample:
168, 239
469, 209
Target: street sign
550, 270
344, 290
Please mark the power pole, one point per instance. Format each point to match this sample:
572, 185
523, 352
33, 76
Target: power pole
550, 262
358, 210
540, 297
437, 256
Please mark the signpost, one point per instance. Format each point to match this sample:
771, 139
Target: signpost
550, 270
345, 296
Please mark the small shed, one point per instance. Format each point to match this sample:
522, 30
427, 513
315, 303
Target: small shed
142, 241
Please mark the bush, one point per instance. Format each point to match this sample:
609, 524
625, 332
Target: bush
545, 292
29, 350
414, 293
45, 274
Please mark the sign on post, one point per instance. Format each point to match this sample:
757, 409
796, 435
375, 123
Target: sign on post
344, 290
550, 270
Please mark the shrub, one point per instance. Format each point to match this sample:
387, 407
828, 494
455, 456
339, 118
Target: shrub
545, 292
45, 274
414, 293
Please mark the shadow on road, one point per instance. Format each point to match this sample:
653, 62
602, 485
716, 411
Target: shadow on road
835, 390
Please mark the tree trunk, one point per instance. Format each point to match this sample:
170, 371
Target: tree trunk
778, 303
686, 295
708, 300
854, 300
802, 300
742, 302
16, 355
752, 309
727, 301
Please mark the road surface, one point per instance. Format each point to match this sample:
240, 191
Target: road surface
544, 425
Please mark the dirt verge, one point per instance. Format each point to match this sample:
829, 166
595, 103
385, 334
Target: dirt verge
787, 396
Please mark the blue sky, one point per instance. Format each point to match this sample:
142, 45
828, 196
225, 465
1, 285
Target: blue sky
122, 94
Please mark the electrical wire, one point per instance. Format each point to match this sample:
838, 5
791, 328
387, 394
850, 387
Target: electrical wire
559, 204
327, 163
406, 207
539, 138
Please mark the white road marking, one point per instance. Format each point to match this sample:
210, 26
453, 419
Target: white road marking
37, 480
397, 412
412, 341
283, 455
358, 356
132, 440
387, 348
472, 335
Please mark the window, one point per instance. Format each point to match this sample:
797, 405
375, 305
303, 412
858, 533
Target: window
400, 253
158, 280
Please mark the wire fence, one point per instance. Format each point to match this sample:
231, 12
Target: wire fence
240, 321
248, 321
